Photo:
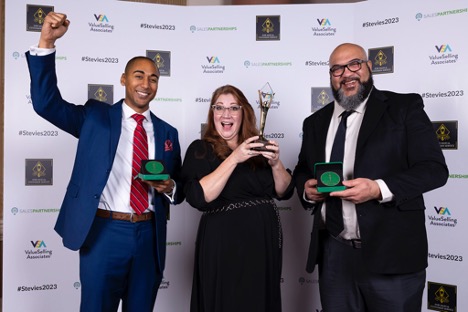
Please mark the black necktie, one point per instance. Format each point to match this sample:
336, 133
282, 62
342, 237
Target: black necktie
334, 214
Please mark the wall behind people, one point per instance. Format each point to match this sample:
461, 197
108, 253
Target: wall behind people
415, 46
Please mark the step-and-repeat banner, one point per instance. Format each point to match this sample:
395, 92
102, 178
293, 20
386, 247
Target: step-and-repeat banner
415, 46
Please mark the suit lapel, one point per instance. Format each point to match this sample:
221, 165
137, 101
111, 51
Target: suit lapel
115, 116
322, 124
158, 132
376, 106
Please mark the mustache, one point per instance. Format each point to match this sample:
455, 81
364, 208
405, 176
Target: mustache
349, 79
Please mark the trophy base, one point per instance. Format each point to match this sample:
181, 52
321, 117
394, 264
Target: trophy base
261, 148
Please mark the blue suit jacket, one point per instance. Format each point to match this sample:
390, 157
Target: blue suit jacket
396, 143
97, 125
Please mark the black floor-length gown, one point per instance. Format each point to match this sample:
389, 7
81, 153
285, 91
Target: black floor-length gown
238, 253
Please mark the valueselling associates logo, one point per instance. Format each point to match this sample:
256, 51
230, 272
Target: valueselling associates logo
324, 28
101, 24
444, 55
39, 250
213, 66
443, 217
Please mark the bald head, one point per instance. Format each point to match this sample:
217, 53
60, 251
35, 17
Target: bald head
347, 51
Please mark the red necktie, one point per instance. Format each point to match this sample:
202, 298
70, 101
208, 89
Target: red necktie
138, 189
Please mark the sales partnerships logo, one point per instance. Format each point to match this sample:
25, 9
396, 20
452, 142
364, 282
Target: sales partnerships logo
445, 55
101, 24
420, 16
15, 210
324, 28
194, 28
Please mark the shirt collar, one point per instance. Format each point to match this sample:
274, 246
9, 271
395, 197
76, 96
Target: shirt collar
129, 112
338, 109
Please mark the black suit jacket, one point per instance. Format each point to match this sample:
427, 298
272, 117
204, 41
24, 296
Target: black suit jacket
396, 143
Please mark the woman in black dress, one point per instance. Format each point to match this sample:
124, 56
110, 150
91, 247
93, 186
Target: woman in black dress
238, 253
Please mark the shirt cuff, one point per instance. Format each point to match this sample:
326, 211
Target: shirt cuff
387, 195
307, 200
171, 195
36, 51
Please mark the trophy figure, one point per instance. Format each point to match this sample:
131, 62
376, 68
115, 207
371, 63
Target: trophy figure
265, 95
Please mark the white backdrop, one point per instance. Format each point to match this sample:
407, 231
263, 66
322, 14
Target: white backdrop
205, 47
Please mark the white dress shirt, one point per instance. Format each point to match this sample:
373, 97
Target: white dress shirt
351, 226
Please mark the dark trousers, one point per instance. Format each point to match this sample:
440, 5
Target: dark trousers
117, 262
347, 286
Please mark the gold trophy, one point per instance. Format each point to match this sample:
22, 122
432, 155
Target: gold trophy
265, 95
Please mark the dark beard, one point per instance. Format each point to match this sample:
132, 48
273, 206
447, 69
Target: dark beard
353, 101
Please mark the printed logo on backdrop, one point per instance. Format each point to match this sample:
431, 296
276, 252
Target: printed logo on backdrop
39, 250
35, 15
101, 23
102, 93
39, 172
268, 28
194, 28
317, 63
442, 217
382, 60
16, 210
305, 280
320, 97
458, 176
213, 66
420, 16
323, 28
444, 55
249, 64
164, 284
447, 133
162, 60
157, 26
441, 297
16, 55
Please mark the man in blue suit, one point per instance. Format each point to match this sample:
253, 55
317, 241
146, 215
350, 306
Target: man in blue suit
122, 252
371, 248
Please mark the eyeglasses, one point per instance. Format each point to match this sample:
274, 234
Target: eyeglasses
353, 66
233, 110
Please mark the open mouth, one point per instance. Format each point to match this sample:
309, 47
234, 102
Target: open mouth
226, 125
